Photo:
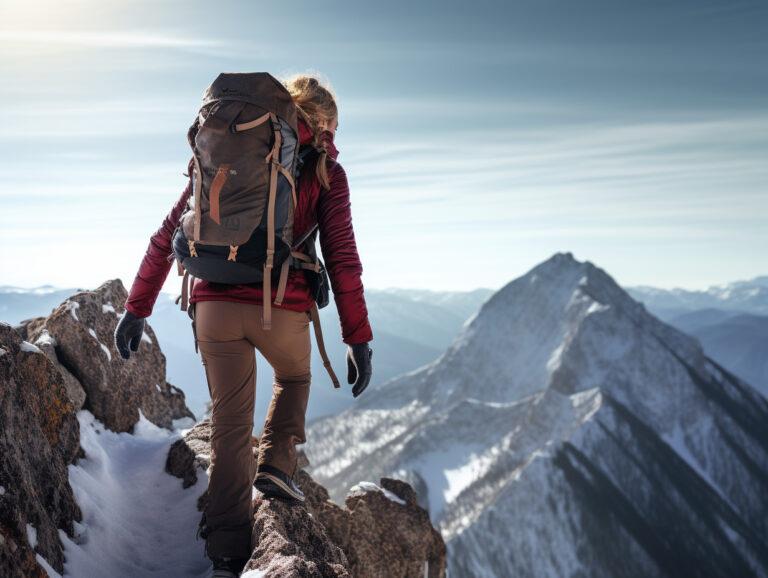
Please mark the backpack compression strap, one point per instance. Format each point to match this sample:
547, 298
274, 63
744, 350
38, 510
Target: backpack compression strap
274, 159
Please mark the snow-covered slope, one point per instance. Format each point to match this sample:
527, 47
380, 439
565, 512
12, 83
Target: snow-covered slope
739, 342
568, 432
137, 519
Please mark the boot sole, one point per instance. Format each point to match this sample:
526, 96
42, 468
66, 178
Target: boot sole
270, 485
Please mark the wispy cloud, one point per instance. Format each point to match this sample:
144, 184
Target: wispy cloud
137, 39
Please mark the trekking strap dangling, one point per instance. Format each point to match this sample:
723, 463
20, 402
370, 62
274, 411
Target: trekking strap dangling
186, 284
283, 283
315, 316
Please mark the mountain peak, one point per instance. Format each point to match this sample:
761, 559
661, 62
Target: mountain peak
564, 399
526, 334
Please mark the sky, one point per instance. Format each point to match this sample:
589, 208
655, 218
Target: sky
479, 138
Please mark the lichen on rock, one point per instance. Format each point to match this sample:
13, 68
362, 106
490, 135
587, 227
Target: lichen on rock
82, 328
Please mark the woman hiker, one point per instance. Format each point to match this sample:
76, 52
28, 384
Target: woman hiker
228, 328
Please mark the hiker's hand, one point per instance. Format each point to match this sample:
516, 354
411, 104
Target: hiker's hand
128, 333
359, 367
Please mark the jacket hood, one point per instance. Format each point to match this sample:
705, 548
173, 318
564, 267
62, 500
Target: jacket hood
306, 134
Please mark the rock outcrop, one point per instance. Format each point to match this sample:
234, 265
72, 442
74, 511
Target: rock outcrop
81, 333
382, 531
50, 368
292, 543
39, 438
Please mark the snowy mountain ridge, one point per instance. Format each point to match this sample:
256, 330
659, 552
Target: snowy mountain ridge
564, 418
750, 296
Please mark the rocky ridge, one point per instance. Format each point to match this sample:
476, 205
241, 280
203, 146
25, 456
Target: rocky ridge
52, 367
381, 532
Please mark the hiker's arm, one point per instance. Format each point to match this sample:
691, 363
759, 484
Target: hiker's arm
337, 243
155, 265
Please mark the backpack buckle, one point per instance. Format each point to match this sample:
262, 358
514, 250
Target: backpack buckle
276, 126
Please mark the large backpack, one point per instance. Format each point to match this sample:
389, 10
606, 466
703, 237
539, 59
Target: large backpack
238, 225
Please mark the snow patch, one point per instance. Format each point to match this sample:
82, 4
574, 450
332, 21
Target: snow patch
130, 504
147, 338
29, 348
108, 308
183, 424
461, 477
103, 347
254, 574
2, 352
159, 389
32, 535
555, 358
46, 339
589, 399
597, 307
677, 440
2, 490
73, 306
365, 487
47, 567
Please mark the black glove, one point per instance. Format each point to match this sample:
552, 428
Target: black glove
359, 367
128, 331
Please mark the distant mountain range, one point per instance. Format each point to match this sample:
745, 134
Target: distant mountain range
413, 327
742, 296
730, 320
568, 432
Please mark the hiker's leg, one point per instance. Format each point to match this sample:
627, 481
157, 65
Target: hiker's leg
230, 365
287, 348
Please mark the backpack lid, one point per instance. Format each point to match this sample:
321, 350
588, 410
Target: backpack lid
259, 88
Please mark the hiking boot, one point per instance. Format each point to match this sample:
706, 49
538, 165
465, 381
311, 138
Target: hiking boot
227, 567
276, 484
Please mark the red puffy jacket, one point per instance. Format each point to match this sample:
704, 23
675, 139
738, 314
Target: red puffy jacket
329, 208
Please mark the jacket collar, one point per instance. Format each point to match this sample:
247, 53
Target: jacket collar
306, 134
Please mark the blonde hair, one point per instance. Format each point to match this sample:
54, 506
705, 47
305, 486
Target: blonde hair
316, 104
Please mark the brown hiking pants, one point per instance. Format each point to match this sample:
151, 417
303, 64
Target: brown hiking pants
227, 333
